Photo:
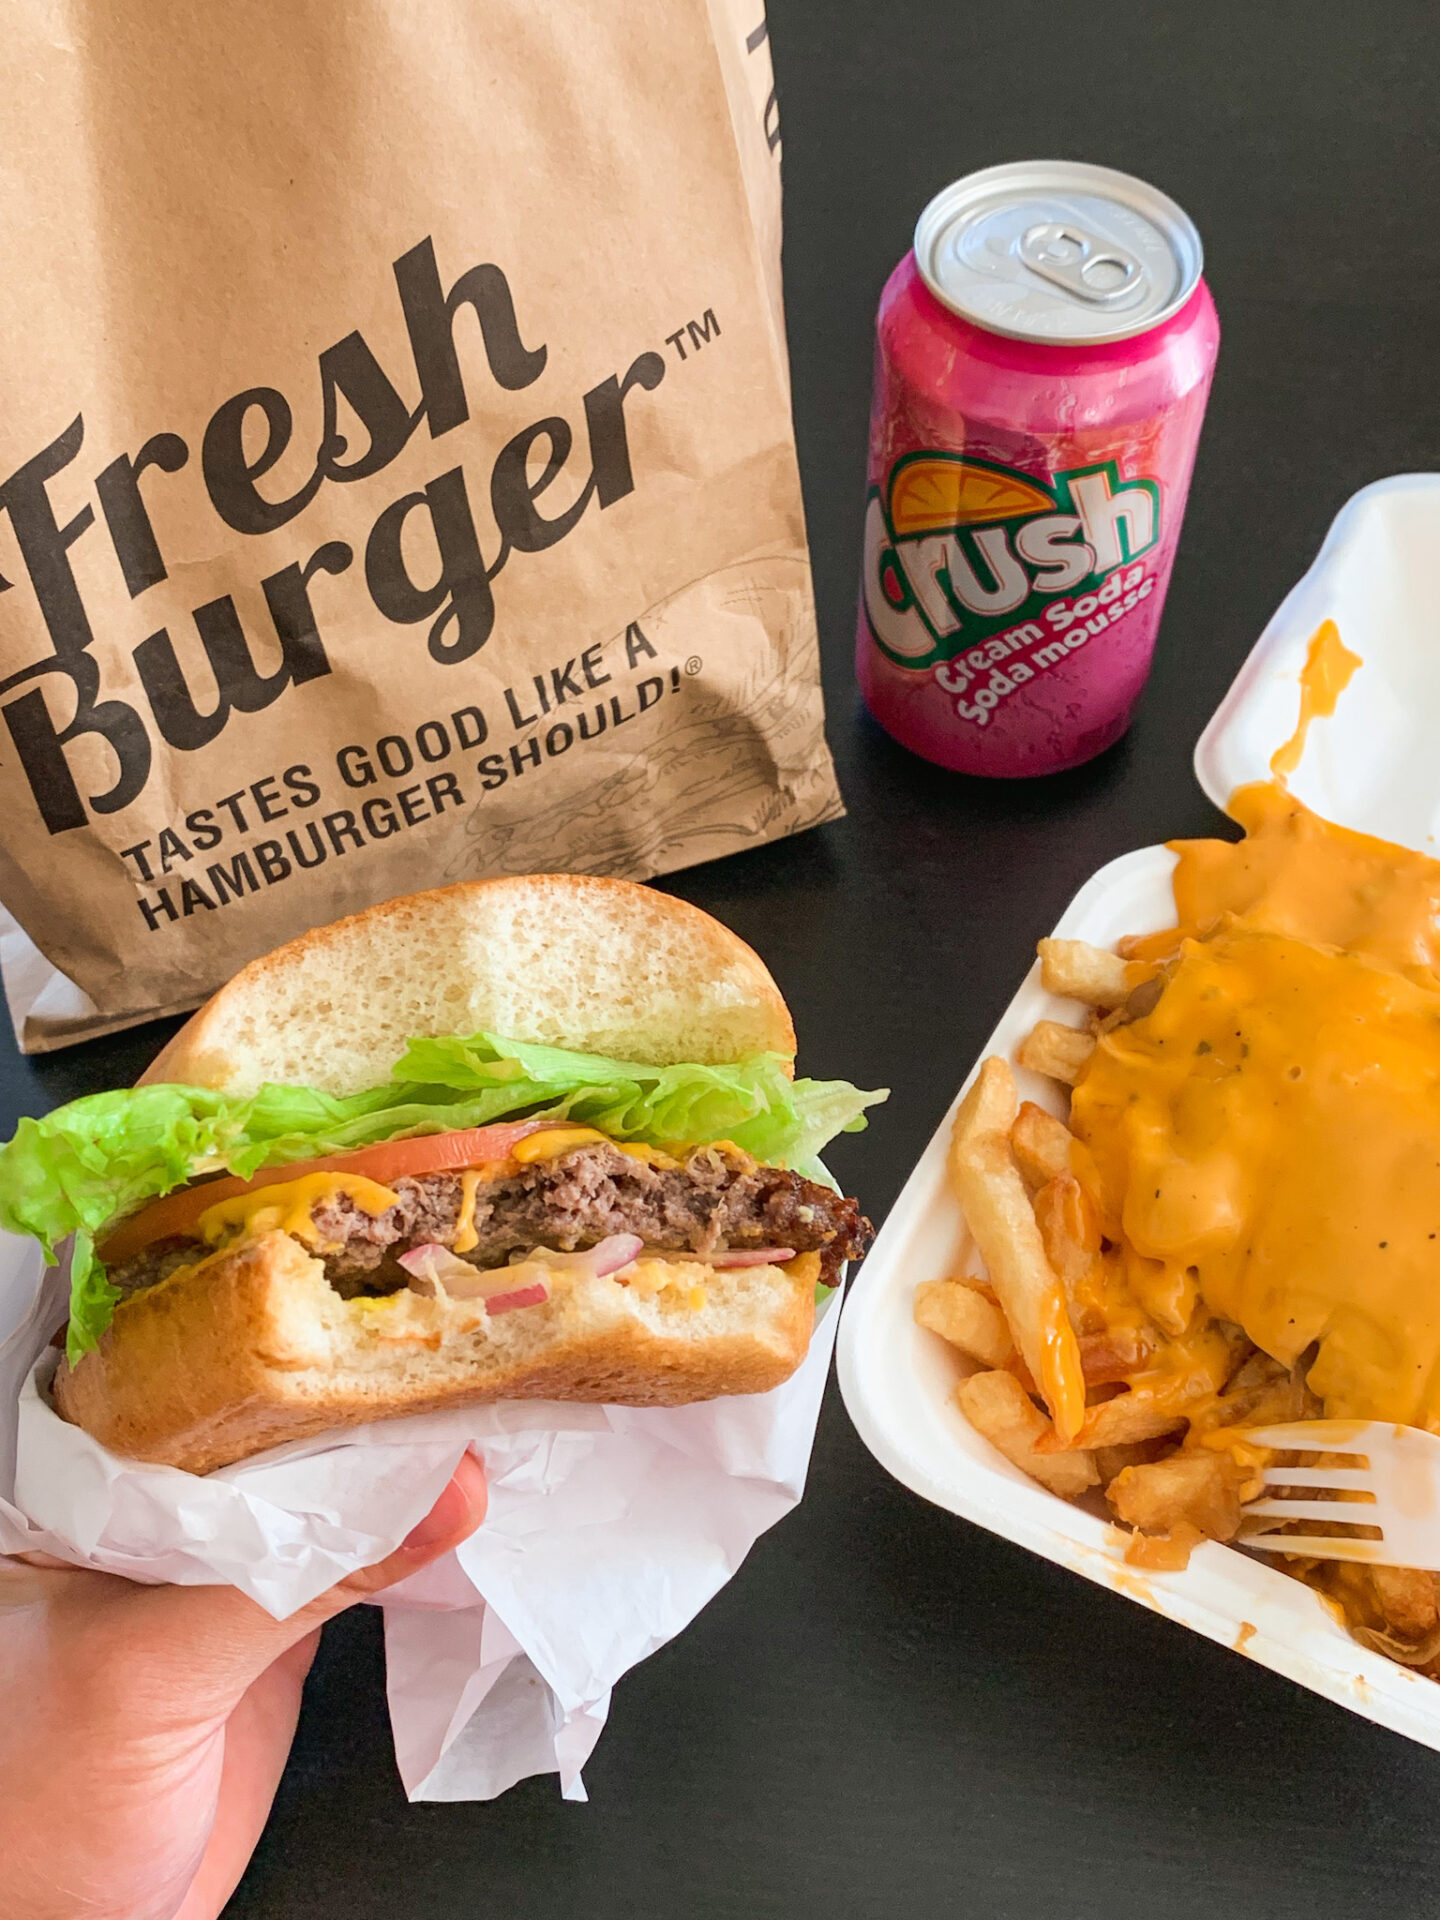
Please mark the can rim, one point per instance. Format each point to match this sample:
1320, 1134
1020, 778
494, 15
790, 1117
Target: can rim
1180, 230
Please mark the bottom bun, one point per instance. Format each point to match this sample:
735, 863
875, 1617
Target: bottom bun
252, 1348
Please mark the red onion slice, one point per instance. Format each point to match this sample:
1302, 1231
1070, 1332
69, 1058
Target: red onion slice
531, 1296
430, 1262
616, 1251
752, 1257
432, 1267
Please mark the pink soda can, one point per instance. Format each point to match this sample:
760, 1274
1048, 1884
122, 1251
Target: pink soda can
1043, 358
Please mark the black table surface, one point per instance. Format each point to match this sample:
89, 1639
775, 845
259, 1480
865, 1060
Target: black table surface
889, 1711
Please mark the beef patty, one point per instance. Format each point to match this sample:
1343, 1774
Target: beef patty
716, 1200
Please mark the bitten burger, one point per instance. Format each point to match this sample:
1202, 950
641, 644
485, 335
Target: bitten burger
521, 1138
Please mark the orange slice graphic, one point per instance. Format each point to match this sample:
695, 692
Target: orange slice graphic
930, 494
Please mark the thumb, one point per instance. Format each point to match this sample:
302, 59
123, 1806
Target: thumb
453, 1518
207, 1645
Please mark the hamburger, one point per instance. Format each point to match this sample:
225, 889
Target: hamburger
522, 1138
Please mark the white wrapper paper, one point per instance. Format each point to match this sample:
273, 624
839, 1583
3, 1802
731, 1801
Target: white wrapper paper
608, 1530
31, 984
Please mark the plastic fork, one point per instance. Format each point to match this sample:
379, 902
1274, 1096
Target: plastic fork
1399, 1472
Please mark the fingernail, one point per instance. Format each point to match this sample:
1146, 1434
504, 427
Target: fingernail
443, 1521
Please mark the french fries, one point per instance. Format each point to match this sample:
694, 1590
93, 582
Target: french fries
966, 1319
1167, 1552
1407, 1600
1395, 1610
1110, 1461
999, 1408
1058, 1052
1128, 1417
1046, 1150
1114, 1354
1078, 971
999, 1213
1074, 1310
1200, 1489
1260, 1393
1044, 1147
1032, 1197
1069, 1230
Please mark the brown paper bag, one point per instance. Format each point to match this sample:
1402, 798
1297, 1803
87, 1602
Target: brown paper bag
396, 472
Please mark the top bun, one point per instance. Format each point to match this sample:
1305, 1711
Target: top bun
602, 966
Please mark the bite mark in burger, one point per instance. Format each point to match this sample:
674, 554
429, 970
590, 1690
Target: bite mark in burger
618, 1206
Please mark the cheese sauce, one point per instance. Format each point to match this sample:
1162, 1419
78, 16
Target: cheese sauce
1329, 667
1296, 874
1270, 1132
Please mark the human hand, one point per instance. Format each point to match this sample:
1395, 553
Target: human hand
143, 1730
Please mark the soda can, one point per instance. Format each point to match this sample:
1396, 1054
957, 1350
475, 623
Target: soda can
1043, 359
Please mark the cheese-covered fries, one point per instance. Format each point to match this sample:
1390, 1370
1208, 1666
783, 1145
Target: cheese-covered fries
1240, 1223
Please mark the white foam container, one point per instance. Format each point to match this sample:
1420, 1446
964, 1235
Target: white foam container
1375, 767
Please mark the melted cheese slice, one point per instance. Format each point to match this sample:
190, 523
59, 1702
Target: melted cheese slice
551, 1143
465, 1235
289, 1206
554, 1141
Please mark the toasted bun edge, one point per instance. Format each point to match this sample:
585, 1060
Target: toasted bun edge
253, 1348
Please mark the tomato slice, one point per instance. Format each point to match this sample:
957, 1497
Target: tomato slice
176, 1215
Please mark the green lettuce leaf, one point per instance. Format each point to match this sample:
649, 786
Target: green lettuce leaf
92, 1299
752, 1102
91, 1162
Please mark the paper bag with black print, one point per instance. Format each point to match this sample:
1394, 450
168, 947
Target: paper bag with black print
397, 483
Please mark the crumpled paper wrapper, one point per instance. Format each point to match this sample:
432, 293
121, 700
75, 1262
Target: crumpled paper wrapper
39, 996
608, 1530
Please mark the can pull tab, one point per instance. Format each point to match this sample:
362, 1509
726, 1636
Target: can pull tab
1080, 262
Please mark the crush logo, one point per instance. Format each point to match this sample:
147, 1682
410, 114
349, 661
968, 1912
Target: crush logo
957, 549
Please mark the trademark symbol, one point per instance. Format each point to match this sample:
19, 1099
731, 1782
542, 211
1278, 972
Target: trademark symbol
699, 333
693, 665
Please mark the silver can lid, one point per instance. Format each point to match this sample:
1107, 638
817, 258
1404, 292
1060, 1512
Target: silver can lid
1058, 252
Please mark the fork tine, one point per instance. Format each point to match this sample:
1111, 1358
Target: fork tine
1357, 1477
1316, 1546
1312, 1436
1352, 1513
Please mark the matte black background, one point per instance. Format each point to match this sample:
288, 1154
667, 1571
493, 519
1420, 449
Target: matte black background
889, 1712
